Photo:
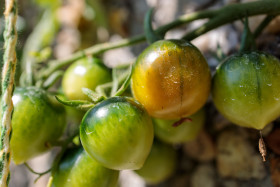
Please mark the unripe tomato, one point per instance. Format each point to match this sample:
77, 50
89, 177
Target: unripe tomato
78, 169
160, 164
185, 132
84, 73
118, 133
171, 78
246, 89
37, 121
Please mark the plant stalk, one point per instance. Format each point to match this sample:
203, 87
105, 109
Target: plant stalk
217, 18
8, 77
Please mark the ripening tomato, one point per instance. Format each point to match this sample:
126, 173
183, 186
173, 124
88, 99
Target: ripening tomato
78, 169
118, 133
171, 79
84, 73
246, 89
37, 121
185, 132
160, 164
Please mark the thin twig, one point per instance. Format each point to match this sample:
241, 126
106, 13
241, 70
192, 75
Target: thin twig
235, 12
103, 47
8, 76
40, 174
263, 24
218, 17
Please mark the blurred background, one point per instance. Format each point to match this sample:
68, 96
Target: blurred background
223, 154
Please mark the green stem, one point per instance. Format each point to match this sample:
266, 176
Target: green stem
101, 48
8, 77
218, 17
235, 12
40, 174
263, 24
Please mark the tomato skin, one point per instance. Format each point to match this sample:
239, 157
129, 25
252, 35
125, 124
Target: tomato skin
36, 121
246, 89
78, 169
118, 133
160, 164
171, 79
185, 132
84, 73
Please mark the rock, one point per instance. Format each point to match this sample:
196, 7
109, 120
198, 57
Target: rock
220, 122
204, 175
273, 141
237, 157
275, 170
129, 178
179, 181
201, 149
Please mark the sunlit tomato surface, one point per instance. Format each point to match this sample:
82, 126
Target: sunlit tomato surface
118, 133
160, 164
246, 89
85, 73
185, 132
37, 122
171, 78
78, 169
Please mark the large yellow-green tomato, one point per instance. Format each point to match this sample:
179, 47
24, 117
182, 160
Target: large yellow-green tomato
186, 131
37, 122
85, 73
171, 79
78, 169
160, 164
246, 89
118, 133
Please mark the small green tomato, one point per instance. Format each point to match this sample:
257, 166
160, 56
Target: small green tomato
85, 73
78, 169
118, 133
246, 89
185, 132
160, 164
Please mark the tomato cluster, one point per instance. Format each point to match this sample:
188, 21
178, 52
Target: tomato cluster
170, 83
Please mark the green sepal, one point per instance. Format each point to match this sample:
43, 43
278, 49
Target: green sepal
247, 38
125, 85
79, 104
94, 96
150, 34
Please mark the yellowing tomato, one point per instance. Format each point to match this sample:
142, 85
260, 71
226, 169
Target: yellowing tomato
171, 79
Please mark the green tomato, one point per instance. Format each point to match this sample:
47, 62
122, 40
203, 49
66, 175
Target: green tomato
78, 169
187, 131
118, 133
246, 89
37, 122
160, 164
85, 73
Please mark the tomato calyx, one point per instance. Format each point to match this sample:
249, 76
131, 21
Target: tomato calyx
181, 121
78, 104
150, 34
